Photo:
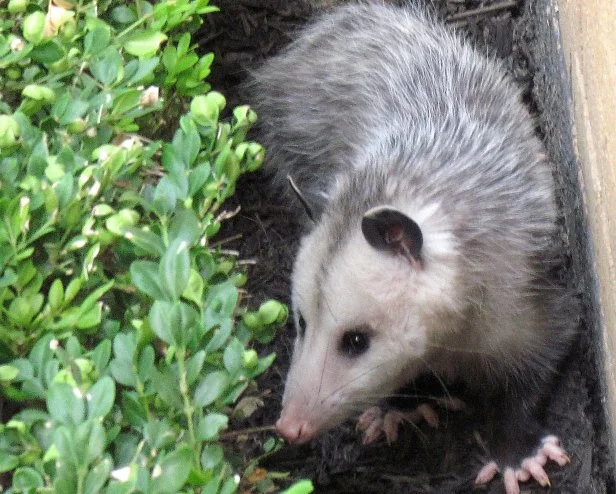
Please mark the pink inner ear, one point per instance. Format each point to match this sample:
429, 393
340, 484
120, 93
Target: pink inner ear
394, 235
398, 240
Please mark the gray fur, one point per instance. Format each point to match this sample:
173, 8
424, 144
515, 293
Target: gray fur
375, 105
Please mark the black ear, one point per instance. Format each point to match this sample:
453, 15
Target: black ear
301, 198
387, 228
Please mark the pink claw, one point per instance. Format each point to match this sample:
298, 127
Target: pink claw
391, 422
429, 415
373, 432
367, 418
511, 482
556, 453
487, 473
537, 471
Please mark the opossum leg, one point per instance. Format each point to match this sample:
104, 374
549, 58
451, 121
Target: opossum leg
374, 422
519, 448
530, 467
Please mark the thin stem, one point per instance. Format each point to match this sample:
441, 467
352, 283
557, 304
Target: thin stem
188, 409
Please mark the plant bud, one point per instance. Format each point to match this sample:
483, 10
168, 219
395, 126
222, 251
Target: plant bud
206, 109
250, 359
17, 6
33, 27
9, 131
39, 93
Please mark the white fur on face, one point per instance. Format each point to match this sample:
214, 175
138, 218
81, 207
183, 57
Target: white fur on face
362, 287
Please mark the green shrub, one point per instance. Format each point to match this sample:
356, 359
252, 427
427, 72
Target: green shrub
122, 357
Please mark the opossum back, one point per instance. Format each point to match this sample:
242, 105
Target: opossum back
360, 73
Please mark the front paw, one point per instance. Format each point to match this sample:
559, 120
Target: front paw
374, 422
530, 467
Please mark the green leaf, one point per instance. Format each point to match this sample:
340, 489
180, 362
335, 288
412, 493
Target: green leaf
47, 52
160, 320
212, 456
221, 301
101, 397
197, 178
211, 425
230, 486
72, 290
74, 110
27, 478
145, 363
97, 40
133, 410
121, 221
301, 487
143, 69
107, 68
211, 387
144, 274
93, 297
95, 441
123, 14
194, 366
174, 268
8, 372
64, 405
233, 356
194, 288
126, 102
165, 196
159, 434
8, 462
97, 477
174, 470
90, 317
185, 226
124, 346
56, 294
173, 322
101, 355
123, 372
167, 386
144, 44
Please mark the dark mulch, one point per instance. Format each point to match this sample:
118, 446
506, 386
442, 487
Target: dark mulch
423, 460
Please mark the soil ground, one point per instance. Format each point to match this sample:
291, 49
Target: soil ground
442, 460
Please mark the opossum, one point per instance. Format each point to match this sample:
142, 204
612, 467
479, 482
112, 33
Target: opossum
434, 242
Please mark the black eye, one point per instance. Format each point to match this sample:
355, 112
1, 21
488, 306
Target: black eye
301, 325
354, 343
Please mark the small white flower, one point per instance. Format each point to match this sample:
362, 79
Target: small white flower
17, 44
157, 471
96, 186
150, 96
53, 344
128, 143
121, 474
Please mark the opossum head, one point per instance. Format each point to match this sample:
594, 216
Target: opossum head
368, 300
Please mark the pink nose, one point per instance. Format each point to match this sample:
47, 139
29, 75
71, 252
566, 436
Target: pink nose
293, 430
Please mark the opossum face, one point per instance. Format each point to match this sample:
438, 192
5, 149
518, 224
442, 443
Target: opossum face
365, 309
